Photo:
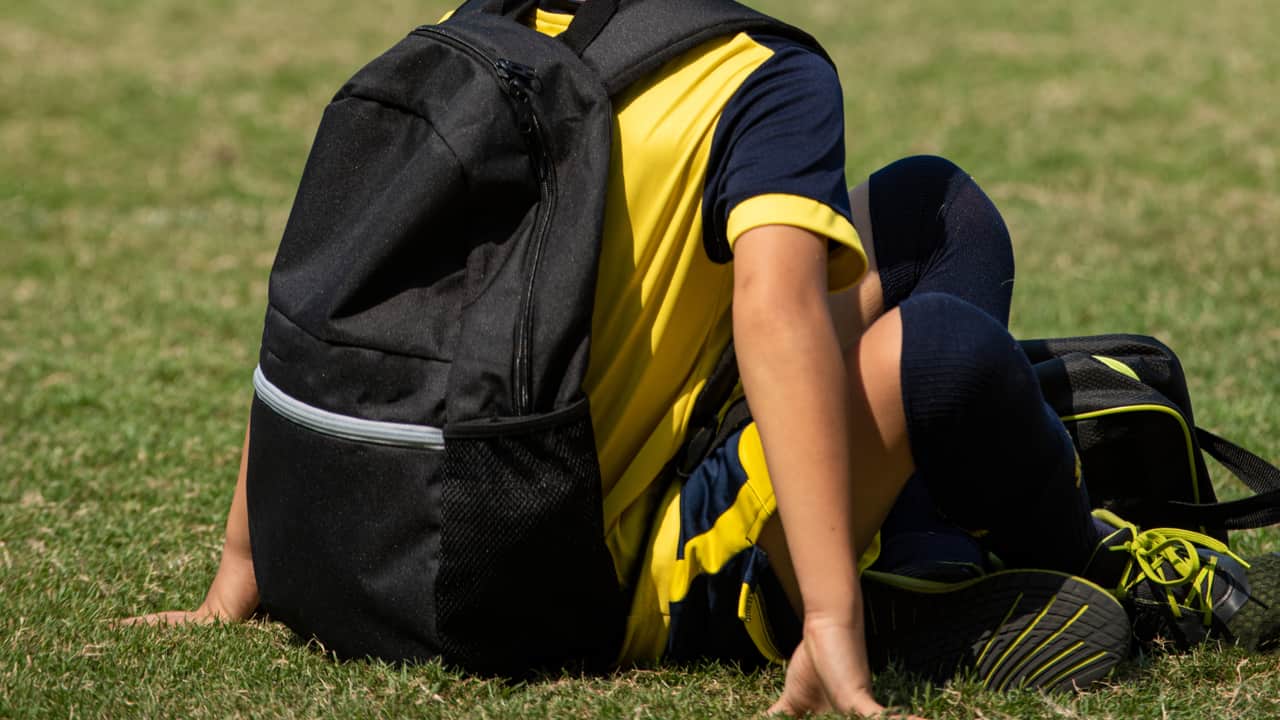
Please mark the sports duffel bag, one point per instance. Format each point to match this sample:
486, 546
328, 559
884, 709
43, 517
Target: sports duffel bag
1124, 399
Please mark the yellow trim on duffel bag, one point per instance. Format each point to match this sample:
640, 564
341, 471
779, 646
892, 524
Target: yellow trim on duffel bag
1186, 432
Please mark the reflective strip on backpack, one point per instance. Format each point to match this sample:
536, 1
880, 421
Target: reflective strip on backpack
345, 426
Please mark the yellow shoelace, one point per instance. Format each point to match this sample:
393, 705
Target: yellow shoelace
1167, 557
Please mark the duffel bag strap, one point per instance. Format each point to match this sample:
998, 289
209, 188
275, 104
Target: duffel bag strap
1259, 510
1252, 512
1261, 476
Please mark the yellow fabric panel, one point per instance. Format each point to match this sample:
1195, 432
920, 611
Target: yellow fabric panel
551, 23
870, 555
662, 307
847, 264
734, 531
751, 612
665, 578
649, 619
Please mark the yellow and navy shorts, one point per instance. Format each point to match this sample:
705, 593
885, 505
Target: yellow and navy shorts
706, 589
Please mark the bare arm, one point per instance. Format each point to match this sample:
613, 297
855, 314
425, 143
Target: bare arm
233, 594
794, 374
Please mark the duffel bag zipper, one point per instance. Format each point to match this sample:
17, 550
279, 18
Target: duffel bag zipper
423, 437
518, 81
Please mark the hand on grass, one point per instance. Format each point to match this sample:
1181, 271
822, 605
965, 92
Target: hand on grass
200, 616
826, 674
803, 693
232, 596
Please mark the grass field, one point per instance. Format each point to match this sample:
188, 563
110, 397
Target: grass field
149, 150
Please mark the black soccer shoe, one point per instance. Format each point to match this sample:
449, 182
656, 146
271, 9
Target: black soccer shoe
1011, 629
1184, 588
942, 554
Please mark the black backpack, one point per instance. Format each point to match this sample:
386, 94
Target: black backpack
1124, 399
422, 476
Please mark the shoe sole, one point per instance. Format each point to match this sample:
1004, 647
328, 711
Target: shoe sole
1012, 629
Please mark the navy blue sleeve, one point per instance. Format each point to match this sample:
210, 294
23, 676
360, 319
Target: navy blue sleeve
782, 132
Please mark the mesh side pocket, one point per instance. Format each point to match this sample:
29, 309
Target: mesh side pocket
525, 580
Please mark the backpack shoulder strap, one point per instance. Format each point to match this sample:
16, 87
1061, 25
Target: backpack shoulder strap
642, 35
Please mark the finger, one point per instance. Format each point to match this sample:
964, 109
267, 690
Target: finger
171, 617
897, 713
783, 707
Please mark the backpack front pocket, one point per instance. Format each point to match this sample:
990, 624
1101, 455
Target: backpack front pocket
344, 524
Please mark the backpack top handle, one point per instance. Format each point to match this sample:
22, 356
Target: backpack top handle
587, 23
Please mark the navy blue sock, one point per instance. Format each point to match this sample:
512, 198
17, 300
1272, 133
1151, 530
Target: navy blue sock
935, 231
995, 458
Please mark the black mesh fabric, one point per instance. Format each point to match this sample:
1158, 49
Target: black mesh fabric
1114, 345
525, 580
1137, 454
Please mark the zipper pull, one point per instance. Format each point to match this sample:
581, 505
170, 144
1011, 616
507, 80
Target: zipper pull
521, 76
520, 80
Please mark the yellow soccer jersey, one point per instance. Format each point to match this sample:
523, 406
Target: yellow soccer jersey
738, 133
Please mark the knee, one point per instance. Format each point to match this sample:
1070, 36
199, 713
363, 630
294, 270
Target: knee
928, 178
962, 358
926, 169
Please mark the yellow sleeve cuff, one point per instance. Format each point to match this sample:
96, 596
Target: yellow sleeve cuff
848, 261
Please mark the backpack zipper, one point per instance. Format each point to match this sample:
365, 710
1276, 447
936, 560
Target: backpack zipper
519, 82
422, 437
